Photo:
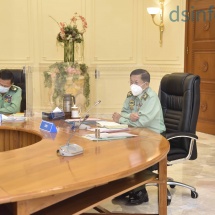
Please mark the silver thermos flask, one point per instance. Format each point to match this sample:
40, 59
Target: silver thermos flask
68, 102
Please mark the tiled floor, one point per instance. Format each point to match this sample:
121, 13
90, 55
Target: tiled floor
199, 173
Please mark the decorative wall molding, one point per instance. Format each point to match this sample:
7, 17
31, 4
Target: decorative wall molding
150, 68
118, 40
51, 52
172, 36
12, 65
15, 39
114, 40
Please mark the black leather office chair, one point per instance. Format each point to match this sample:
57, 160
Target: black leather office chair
180, 99
19, 80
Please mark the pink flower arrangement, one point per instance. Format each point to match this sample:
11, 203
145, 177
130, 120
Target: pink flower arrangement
73, 71
70, 32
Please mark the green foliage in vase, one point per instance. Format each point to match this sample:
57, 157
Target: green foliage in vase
59, 72
47, 79
87, 88
71, 32
83, 68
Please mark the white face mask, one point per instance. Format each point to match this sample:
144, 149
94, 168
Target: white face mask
136, 89
4, 89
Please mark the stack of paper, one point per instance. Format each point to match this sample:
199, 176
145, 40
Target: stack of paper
13, 118
89, 121
110, 136
107, 124
108, 130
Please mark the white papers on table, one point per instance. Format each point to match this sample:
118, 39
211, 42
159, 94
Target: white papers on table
109, 136
108, 130
77, 120
107, 124
13, 118
18, 115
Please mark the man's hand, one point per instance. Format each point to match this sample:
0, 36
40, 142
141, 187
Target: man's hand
134, 117
116, 117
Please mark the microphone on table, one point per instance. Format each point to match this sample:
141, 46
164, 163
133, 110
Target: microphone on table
98, 102
72, 149
84, 119
87, 115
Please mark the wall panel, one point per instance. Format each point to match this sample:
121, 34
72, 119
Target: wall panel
171, 51
15, 31
61, 11
115, 30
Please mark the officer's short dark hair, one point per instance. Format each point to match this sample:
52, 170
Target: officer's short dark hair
145, 76
6, 74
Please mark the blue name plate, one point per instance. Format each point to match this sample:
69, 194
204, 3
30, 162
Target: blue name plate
48, 126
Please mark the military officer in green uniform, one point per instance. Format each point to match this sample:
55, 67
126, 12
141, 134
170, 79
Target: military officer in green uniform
141, 108
10, 95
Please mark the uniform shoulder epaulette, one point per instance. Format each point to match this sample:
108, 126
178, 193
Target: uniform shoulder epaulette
14, 88
129, 94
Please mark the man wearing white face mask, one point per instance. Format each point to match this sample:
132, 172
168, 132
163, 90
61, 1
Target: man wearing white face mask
10, 95
142, 106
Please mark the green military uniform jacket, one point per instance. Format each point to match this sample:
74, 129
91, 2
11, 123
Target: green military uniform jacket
149, 109
10, 101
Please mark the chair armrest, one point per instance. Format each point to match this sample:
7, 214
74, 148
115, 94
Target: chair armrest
174, 135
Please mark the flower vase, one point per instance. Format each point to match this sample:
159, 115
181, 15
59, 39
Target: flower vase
69, 51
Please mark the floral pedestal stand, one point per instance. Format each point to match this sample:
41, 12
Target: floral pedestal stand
68, 78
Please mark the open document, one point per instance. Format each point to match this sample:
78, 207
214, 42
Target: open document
13, 118
107, 124
87, 122
108, 130
110, 136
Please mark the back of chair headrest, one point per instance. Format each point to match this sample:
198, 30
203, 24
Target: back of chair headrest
19, 76
176, 83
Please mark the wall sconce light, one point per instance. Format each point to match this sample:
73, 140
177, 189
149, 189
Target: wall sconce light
155, 10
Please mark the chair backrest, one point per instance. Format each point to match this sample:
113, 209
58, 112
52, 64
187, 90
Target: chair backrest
180, 100
19, 80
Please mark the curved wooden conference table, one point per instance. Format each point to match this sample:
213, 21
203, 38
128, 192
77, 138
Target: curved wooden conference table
33, 176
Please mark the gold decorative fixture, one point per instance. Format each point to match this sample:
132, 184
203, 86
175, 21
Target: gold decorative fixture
155, 10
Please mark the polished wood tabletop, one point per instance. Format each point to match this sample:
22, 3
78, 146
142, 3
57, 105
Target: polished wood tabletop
35, 170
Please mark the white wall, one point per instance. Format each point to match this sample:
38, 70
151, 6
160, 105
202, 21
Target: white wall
120, 37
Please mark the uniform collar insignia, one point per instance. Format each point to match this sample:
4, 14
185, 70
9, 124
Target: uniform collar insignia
144, 96
129, 94
13, 88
